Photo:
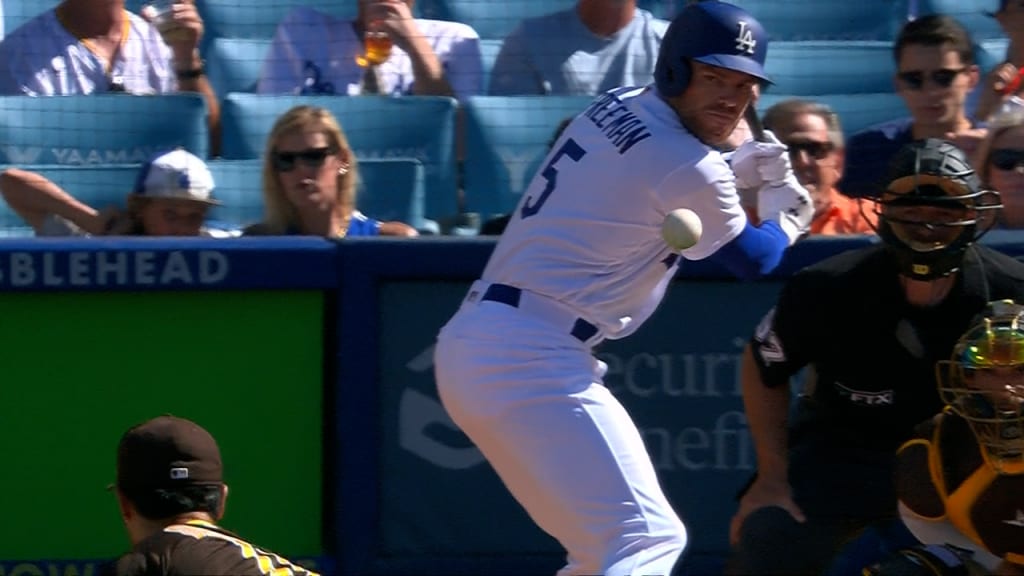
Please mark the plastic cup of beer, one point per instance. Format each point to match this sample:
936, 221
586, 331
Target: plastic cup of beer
376, 48
160, 14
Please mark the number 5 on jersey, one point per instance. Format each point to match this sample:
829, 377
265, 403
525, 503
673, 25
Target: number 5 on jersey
550, 174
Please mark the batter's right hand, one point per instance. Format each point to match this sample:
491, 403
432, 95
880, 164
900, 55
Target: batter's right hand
763, 493
756, 163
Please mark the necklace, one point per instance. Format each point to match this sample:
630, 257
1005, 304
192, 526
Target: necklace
343, 227
92, 46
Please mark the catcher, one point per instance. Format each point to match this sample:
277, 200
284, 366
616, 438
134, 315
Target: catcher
961, 478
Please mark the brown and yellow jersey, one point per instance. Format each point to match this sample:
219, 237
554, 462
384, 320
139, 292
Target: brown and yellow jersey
198, 547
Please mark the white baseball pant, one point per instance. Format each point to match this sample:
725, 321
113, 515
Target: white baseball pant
530, 396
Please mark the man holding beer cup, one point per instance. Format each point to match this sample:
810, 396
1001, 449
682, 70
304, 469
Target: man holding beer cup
96, 46
385, 50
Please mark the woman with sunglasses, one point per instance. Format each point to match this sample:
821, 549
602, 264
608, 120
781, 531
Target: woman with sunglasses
309, 181
1000, 159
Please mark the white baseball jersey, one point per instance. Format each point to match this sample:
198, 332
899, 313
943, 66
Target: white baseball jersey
41, 58
587, 232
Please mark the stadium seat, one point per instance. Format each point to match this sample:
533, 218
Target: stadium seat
100, 128
238, 186
990, 52
817, 20
490, 18
421, 127
664, 9
489, 49
831, 66
856, 111
259, 18
506, 139
973, 14
99, 186
393, 189
389, 189
234, 64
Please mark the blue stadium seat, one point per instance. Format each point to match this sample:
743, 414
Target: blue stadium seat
664, 9
490, 18
856, 111
234, 64
973, 14
99, 186
389, 189
239, 188
831, 66
990, 52
259, 18
489, 49
100, 128
393, 189
506, 139
421, 127
818, 20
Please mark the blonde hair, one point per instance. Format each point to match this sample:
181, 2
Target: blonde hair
279, 214
998, 125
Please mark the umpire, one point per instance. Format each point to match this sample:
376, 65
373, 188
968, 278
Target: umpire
171, 493
869, 326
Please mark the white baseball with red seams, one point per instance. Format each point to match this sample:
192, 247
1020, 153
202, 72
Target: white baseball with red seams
682, 229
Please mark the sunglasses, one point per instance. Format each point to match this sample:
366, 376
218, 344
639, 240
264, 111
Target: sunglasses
312, 157
816, 150
943, 78
1007, 158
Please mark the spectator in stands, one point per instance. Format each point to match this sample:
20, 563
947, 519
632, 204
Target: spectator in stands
998, 84
1000, 161
171, 493
96, 46
935, 72
171, 198
309, 181
315, 53
815, 139
595, 46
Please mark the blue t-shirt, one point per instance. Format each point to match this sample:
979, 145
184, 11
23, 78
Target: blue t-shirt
868, 154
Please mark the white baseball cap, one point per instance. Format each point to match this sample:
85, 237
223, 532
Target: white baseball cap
176, 175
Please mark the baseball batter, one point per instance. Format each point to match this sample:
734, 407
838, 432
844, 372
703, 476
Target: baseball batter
583, 259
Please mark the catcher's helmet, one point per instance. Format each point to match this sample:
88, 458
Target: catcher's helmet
714, 33
983, 383
933, 208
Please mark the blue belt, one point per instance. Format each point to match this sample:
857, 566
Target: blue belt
509, 296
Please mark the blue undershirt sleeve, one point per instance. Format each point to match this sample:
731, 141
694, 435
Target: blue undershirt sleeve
755, 252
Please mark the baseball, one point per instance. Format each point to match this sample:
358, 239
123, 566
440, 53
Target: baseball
681, 229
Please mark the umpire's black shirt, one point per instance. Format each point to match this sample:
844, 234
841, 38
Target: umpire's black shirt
873, 355
199, 548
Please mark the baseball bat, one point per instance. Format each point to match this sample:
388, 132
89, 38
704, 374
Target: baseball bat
754, 123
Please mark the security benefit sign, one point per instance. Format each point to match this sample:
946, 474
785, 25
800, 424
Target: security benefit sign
678, 377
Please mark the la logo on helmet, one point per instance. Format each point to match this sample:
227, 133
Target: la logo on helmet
745, 39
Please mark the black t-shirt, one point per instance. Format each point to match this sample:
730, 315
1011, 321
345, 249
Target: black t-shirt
873, 355
200, 548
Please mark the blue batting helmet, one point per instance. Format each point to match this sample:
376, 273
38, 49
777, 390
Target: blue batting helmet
714, 33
